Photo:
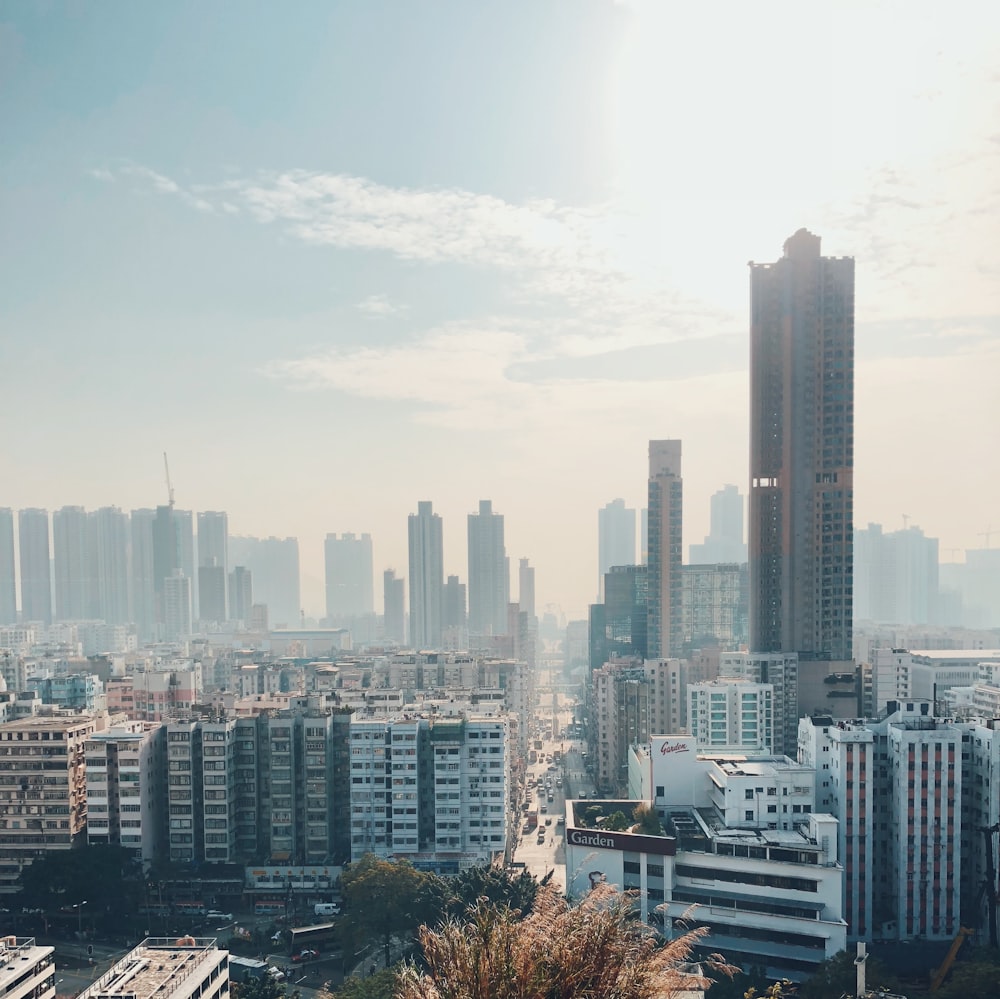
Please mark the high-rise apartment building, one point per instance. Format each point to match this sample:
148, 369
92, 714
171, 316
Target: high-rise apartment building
426, 576
724, 542
176, 599
731, 716
143, 574
109, 541
36, 576
802, 459
213, 555
8, 586
240, 594
780, 671
394, 606
43, 789
489, 573
349, 576
665, 587
274, 563
615, 539
618, 623
71, 564
895, 576
714, 599
526, 589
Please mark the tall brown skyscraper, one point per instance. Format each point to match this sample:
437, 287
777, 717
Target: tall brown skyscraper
802, 461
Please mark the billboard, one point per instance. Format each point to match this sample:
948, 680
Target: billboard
665, 846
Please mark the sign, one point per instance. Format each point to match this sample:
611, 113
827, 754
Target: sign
674, 747
665, 846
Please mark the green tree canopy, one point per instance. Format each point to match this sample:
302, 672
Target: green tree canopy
107, 878
264, 987
381, 985
383, 899
648, 821
617, 822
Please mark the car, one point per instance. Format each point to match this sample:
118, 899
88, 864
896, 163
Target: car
306, 955
560, 822
213, 916
527, 828
548, 820
542, 808
541, 838
551, 796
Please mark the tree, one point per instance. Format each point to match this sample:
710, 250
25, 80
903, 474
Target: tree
383, 899
648, 821
838, 975
496, 885
381, 985
594, 950
106, 878
617, 822
264, 987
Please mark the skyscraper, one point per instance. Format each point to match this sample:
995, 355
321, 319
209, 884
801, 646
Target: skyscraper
724, 542
213, 555
526, 589
109, 544
349, 576
394, 606
426, 576
8, 587
36, 576
142, 573
71, 562
240, 594
274, 563
802, 459
489, 573
615, 539
663, 578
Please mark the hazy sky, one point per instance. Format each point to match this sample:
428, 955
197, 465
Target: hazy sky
336, 258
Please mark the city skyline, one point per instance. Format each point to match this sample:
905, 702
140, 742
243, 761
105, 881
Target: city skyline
477, 289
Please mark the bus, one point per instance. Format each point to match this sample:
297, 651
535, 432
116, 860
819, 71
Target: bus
319, 937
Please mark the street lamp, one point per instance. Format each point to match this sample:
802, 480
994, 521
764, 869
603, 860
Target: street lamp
79, 915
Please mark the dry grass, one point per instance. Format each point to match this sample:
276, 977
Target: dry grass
593, 950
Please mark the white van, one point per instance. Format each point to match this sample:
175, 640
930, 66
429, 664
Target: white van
326, 909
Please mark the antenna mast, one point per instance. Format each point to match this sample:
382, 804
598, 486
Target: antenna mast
170, 488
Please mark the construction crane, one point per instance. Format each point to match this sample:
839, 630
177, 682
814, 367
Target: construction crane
906, 521
956, 945
987, 534
170, 488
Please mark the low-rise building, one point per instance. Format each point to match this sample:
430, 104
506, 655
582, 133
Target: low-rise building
27, 970
167, 968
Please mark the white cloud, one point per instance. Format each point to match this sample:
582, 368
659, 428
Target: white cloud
379, 307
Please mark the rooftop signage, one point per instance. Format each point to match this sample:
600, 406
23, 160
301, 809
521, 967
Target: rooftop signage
631, 842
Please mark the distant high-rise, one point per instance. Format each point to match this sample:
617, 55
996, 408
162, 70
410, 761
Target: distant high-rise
176, 607
349, 576
36, 576
663, 578
615, 539
143, 574
895, 576
240, 594
274, 563
394, 606
71, 564
802, 459
8, 586
109, 540
426, 576
213, 538
454, 614
212, 604
489, 573
724, 542
526, 589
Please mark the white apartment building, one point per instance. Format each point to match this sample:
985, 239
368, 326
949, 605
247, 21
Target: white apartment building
167, 968
895, 783
892, 678
435, 790
781, 671
126, 788
767, 889
731, 716
27, 971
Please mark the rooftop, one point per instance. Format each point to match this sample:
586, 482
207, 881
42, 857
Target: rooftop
17, 954
156, 968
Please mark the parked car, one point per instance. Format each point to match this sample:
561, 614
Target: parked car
306, 955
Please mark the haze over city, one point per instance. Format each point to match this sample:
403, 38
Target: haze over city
344, 258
